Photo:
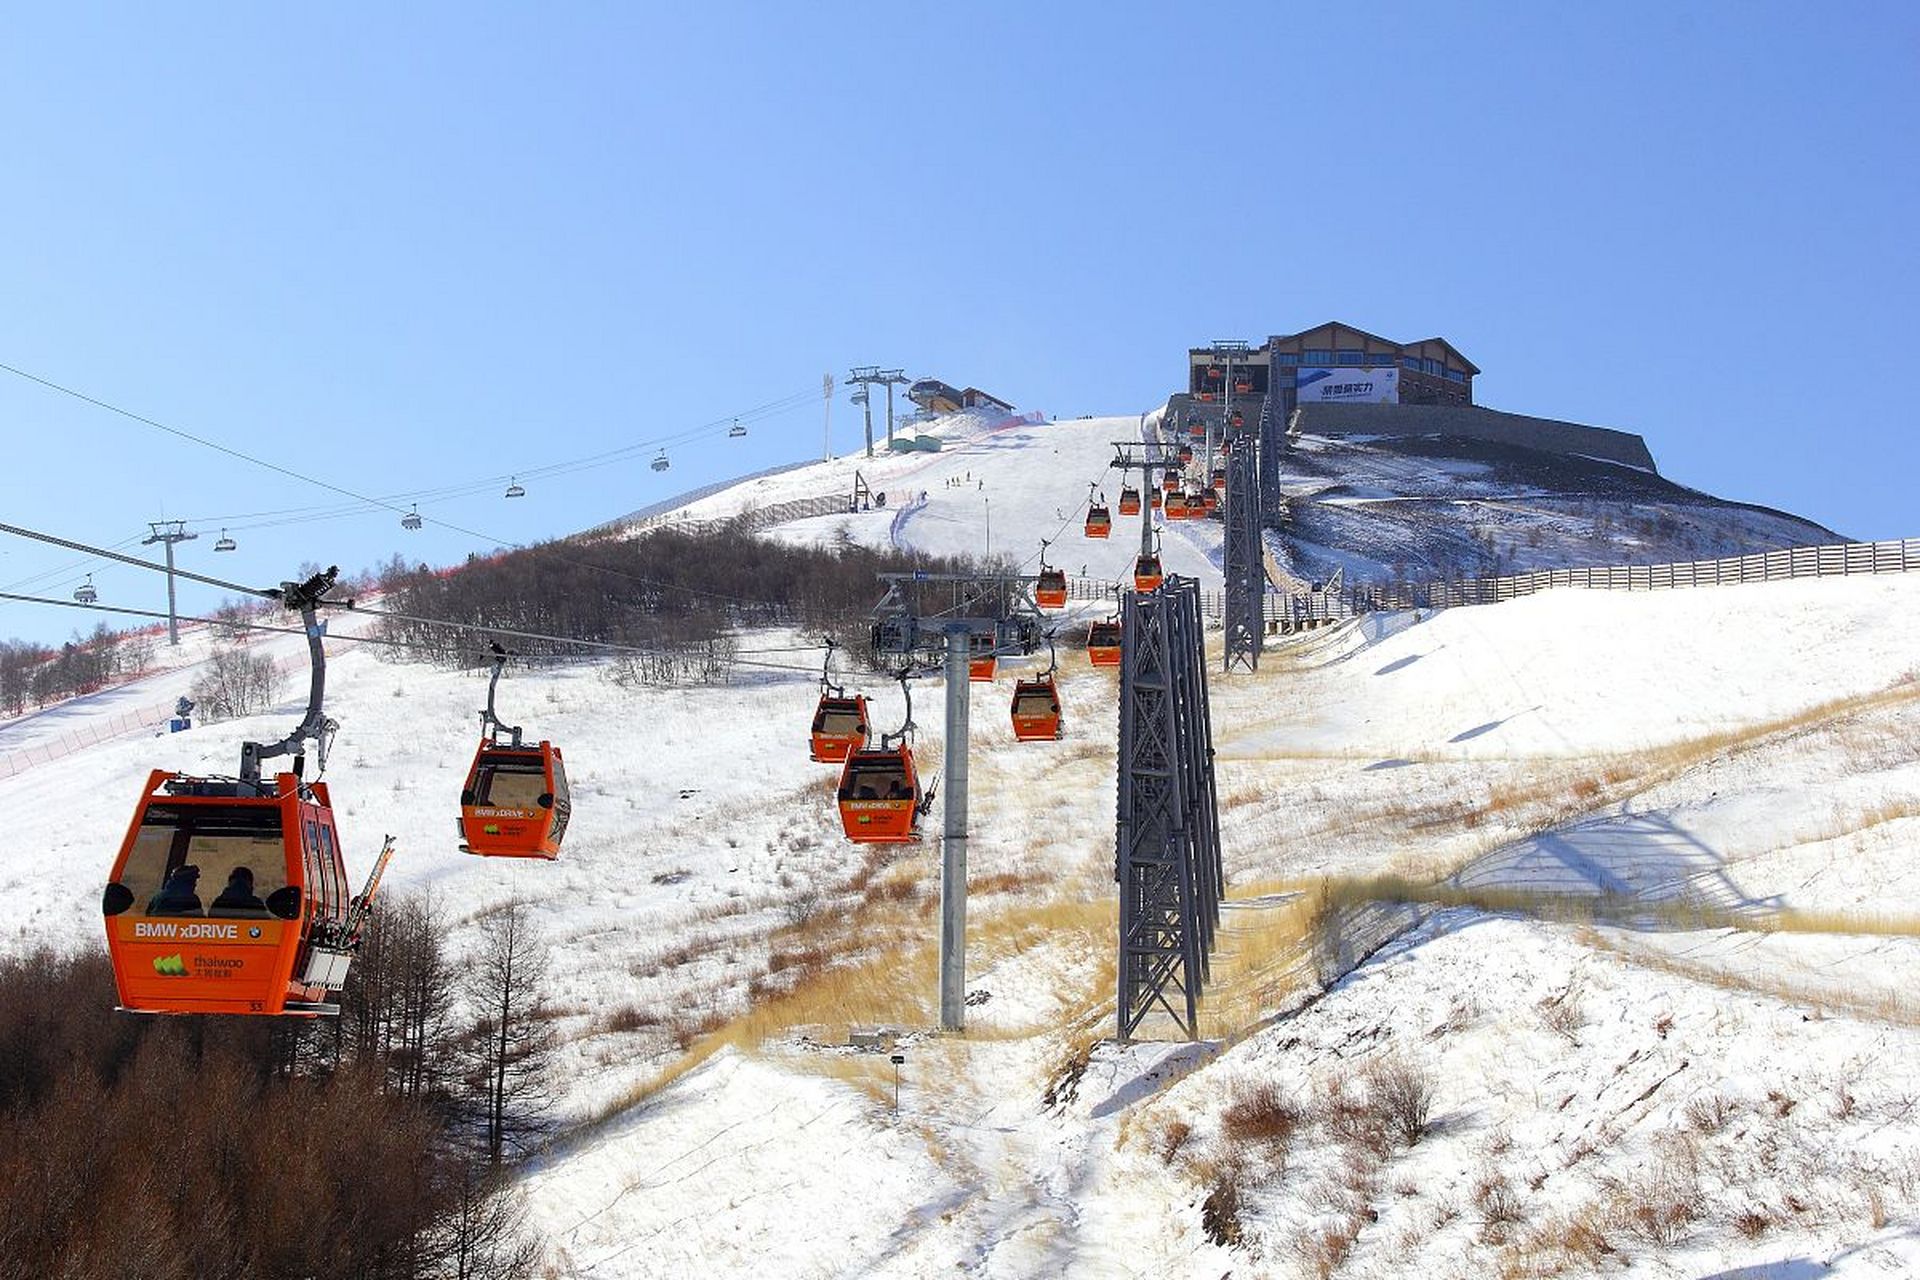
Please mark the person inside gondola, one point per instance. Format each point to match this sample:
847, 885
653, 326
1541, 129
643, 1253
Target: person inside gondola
178, 896
238, 898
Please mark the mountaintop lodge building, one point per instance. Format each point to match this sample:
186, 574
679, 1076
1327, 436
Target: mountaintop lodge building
1337, 363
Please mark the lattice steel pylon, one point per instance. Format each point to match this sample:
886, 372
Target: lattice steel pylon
1246, 586
1167, 836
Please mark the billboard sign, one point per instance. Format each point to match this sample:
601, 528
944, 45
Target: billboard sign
1348, 386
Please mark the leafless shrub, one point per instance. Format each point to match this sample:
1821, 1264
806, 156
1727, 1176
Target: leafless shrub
1844, 1102
1780, 1103
1404, 1093
1262, 1113
631, 1017
1709, 1112
1220, 1211
1662, 1025
1498, 1205
1564, 1012
1173, 1138
1751, 1222
1354, 1117
1660, 1207
1324, 1248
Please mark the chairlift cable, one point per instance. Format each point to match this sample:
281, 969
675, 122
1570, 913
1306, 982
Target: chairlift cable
238, 625
371, 502
136, 561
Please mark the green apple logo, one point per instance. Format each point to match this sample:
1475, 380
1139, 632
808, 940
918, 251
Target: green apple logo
170, 966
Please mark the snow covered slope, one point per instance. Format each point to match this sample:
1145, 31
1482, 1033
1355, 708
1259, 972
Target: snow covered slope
1721, 1078
997, 487
1424, 508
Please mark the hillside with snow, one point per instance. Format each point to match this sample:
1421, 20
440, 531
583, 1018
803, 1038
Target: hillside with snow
1422, 508
1618, 887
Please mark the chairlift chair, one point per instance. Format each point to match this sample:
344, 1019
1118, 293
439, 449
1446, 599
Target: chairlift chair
516, 802
279, 926
513, 488
411, 520
224, 543
660, 462
736, 430
85, 592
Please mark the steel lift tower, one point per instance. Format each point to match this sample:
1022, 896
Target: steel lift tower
865, 378
984, 614
1167, 836
168, 532
1226, 352
1246, 586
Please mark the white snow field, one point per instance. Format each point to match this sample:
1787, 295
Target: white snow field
1717, 1077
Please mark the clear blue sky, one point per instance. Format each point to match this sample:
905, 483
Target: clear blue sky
406, 250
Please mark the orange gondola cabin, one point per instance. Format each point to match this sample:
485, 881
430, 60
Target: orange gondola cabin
839, 728
227, 901
516, 802
1099, 522
879, 796
1176, 506
1103, 644
1147, 574
1129, 502
1036, 710
1050, 592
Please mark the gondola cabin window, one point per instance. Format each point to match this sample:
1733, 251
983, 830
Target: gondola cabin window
223, 863
511, 782
840, 722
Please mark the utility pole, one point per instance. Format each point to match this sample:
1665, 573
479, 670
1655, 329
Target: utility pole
826, 430
893, 377
866, 376
169, 532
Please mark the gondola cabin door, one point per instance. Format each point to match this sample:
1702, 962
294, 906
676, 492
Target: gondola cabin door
222, 901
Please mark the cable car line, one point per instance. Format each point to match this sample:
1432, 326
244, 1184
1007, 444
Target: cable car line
237, 625
376, 502
136, 561
348, 605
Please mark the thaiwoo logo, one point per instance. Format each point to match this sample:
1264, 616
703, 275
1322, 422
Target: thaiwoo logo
172, 966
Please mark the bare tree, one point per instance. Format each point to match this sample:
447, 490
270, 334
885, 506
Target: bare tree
234, 683
509, 1041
